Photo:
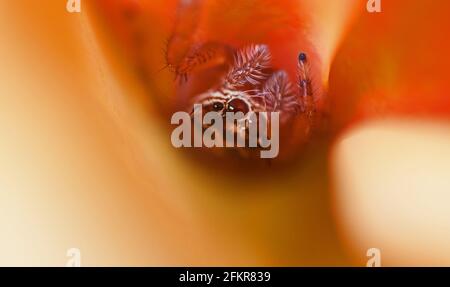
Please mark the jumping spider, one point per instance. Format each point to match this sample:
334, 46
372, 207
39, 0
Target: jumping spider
252, 85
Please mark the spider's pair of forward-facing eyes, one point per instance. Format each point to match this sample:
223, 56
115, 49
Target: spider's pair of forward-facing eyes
234, 106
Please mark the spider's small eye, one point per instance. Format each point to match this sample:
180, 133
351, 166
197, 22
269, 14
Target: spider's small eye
217, 107
238, 105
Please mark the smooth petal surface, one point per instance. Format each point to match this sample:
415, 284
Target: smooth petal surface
394, 62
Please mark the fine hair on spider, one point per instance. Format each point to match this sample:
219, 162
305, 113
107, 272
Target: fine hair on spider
251, 84
306, 90
249, 67
280, 95
194, 59
185, 50
251, 76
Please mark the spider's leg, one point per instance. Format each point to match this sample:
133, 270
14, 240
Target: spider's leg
305, 87
187, 50
200, 57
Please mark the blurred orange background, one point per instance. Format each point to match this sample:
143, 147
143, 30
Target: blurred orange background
86, 159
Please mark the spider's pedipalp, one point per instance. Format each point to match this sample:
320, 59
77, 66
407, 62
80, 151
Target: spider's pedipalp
280, 95
249, 67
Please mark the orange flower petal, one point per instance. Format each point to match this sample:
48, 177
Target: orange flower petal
394, 62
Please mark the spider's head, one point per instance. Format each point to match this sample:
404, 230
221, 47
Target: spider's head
223, 102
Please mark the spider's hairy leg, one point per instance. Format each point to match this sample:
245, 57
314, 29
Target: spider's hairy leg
306, 93
183, 35
249, 67
200, 57
186, 50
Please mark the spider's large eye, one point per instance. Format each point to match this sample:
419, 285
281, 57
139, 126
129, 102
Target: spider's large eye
217, 106
213, 107
238, 105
